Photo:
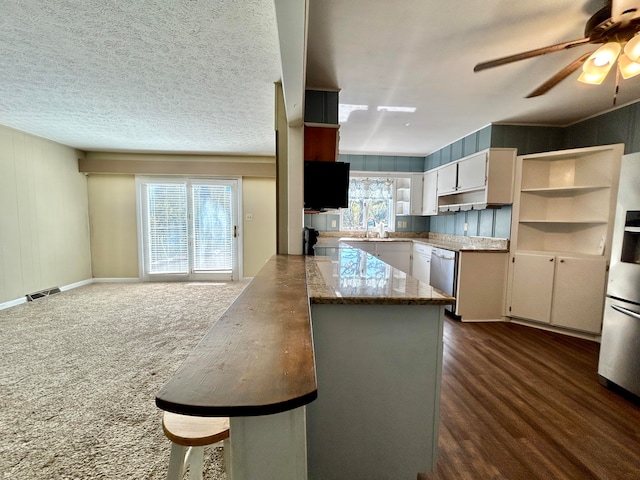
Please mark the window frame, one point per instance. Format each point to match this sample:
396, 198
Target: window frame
393, 176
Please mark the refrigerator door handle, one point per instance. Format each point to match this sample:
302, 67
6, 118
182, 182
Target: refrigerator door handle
626, 311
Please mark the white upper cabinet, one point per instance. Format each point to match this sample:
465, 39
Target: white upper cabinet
476, 181
430, 193
448, 179
417, 186
472, 172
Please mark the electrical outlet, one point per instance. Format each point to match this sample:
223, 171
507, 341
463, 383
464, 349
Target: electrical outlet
248, 217
466, 226
334, 223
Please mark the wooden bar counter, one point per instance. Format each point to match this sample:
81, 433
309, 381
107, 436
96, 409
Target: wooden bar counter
373, 362
256, 366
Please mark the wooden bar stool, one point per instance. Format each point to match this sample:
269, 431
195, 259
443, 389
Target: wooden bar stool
189, 435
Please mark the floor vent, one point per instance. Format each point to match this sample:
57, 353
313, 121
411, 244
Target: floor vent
42, 293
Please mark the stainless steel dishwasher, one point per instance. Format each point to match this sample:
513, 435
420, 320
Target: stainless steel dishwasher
443, 272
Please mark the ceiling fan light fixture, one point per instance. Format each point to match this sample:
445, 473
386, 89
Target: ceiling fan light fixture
632, 48
597, 66
592, 78
628, 68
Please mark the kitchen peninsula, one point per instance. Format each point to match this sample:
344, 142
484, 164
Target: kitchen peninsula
374, 364
378, 344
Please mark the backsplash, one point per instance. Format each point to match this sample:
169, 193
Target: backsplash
492, 222
330, 222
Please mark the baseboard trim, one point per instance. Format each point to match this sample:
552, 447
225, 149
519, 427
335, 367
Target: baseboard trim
480, 320
551, 328
21, 300
117, 280
13, 303
71, 286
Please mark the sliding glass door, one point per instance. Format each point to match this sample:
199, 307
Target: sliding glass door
188, 229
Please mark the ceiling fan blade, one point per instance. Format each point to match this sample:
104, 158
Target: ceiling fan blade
529, 54
558, 77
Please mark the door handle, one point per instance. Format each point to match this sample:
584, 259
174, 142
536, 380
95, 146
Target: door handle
626, 311
235, 231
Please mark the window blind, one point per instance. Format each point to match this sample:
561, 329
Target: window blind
167, 228
212, 228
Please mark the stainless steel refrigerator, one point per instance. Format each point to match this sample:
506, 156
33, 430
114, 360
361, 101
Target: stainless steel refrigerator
619, 361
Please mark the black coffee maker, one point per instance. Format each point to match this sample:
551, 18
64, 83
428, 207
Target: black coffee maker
309, 239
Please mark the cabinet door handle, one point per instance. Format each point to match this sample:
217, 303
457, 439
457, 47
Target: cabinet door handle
626, 311
551, 259
562, 261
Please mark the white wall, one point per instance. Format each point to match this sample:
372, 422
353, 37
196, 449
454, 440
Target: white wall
44, 220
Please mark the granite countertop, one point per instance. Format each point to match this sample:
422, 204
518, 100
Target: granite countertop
353, 276
455, 243
457, 246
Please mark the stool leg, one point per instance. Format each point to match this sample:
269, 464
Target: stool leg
176, 462
196, 463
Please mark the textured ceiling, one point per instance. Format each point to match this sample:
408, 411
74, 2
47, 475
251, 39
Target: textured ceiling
143, 75
197, 76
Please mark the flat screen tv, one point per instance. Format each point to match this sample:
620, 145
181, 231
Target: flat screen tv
326, 185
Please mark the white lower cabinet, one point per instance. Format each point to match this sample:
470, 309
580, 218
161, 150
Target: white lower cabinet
532, 286
561, 290
481, 283
367, 246
579, 291
394, 253
421, 262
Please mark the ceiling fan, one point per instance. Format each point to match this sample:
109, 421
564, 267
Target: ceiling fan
615, 26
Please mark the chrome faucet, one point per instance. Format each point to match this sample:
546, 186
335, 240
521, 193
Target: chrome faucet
366, 219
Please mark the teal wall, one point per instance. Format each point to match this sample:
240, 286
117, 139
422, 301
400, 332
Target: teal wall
618, 126
383, 163
472, 143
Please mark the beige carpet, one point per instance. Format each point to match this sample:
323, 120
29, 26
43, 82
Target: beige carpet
79, 371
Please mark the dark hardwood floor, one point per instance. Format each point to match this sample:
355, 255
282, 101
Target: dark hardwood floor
522, 403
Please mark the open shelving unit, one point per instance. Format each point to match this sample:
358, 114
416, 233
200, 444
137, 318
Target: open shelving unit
403, 196
562, 219
565, 200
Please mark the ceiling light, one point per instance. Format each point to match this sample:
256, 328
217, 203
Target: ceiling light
345, 109
597, 66
628, 68
390, 108
632, 48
